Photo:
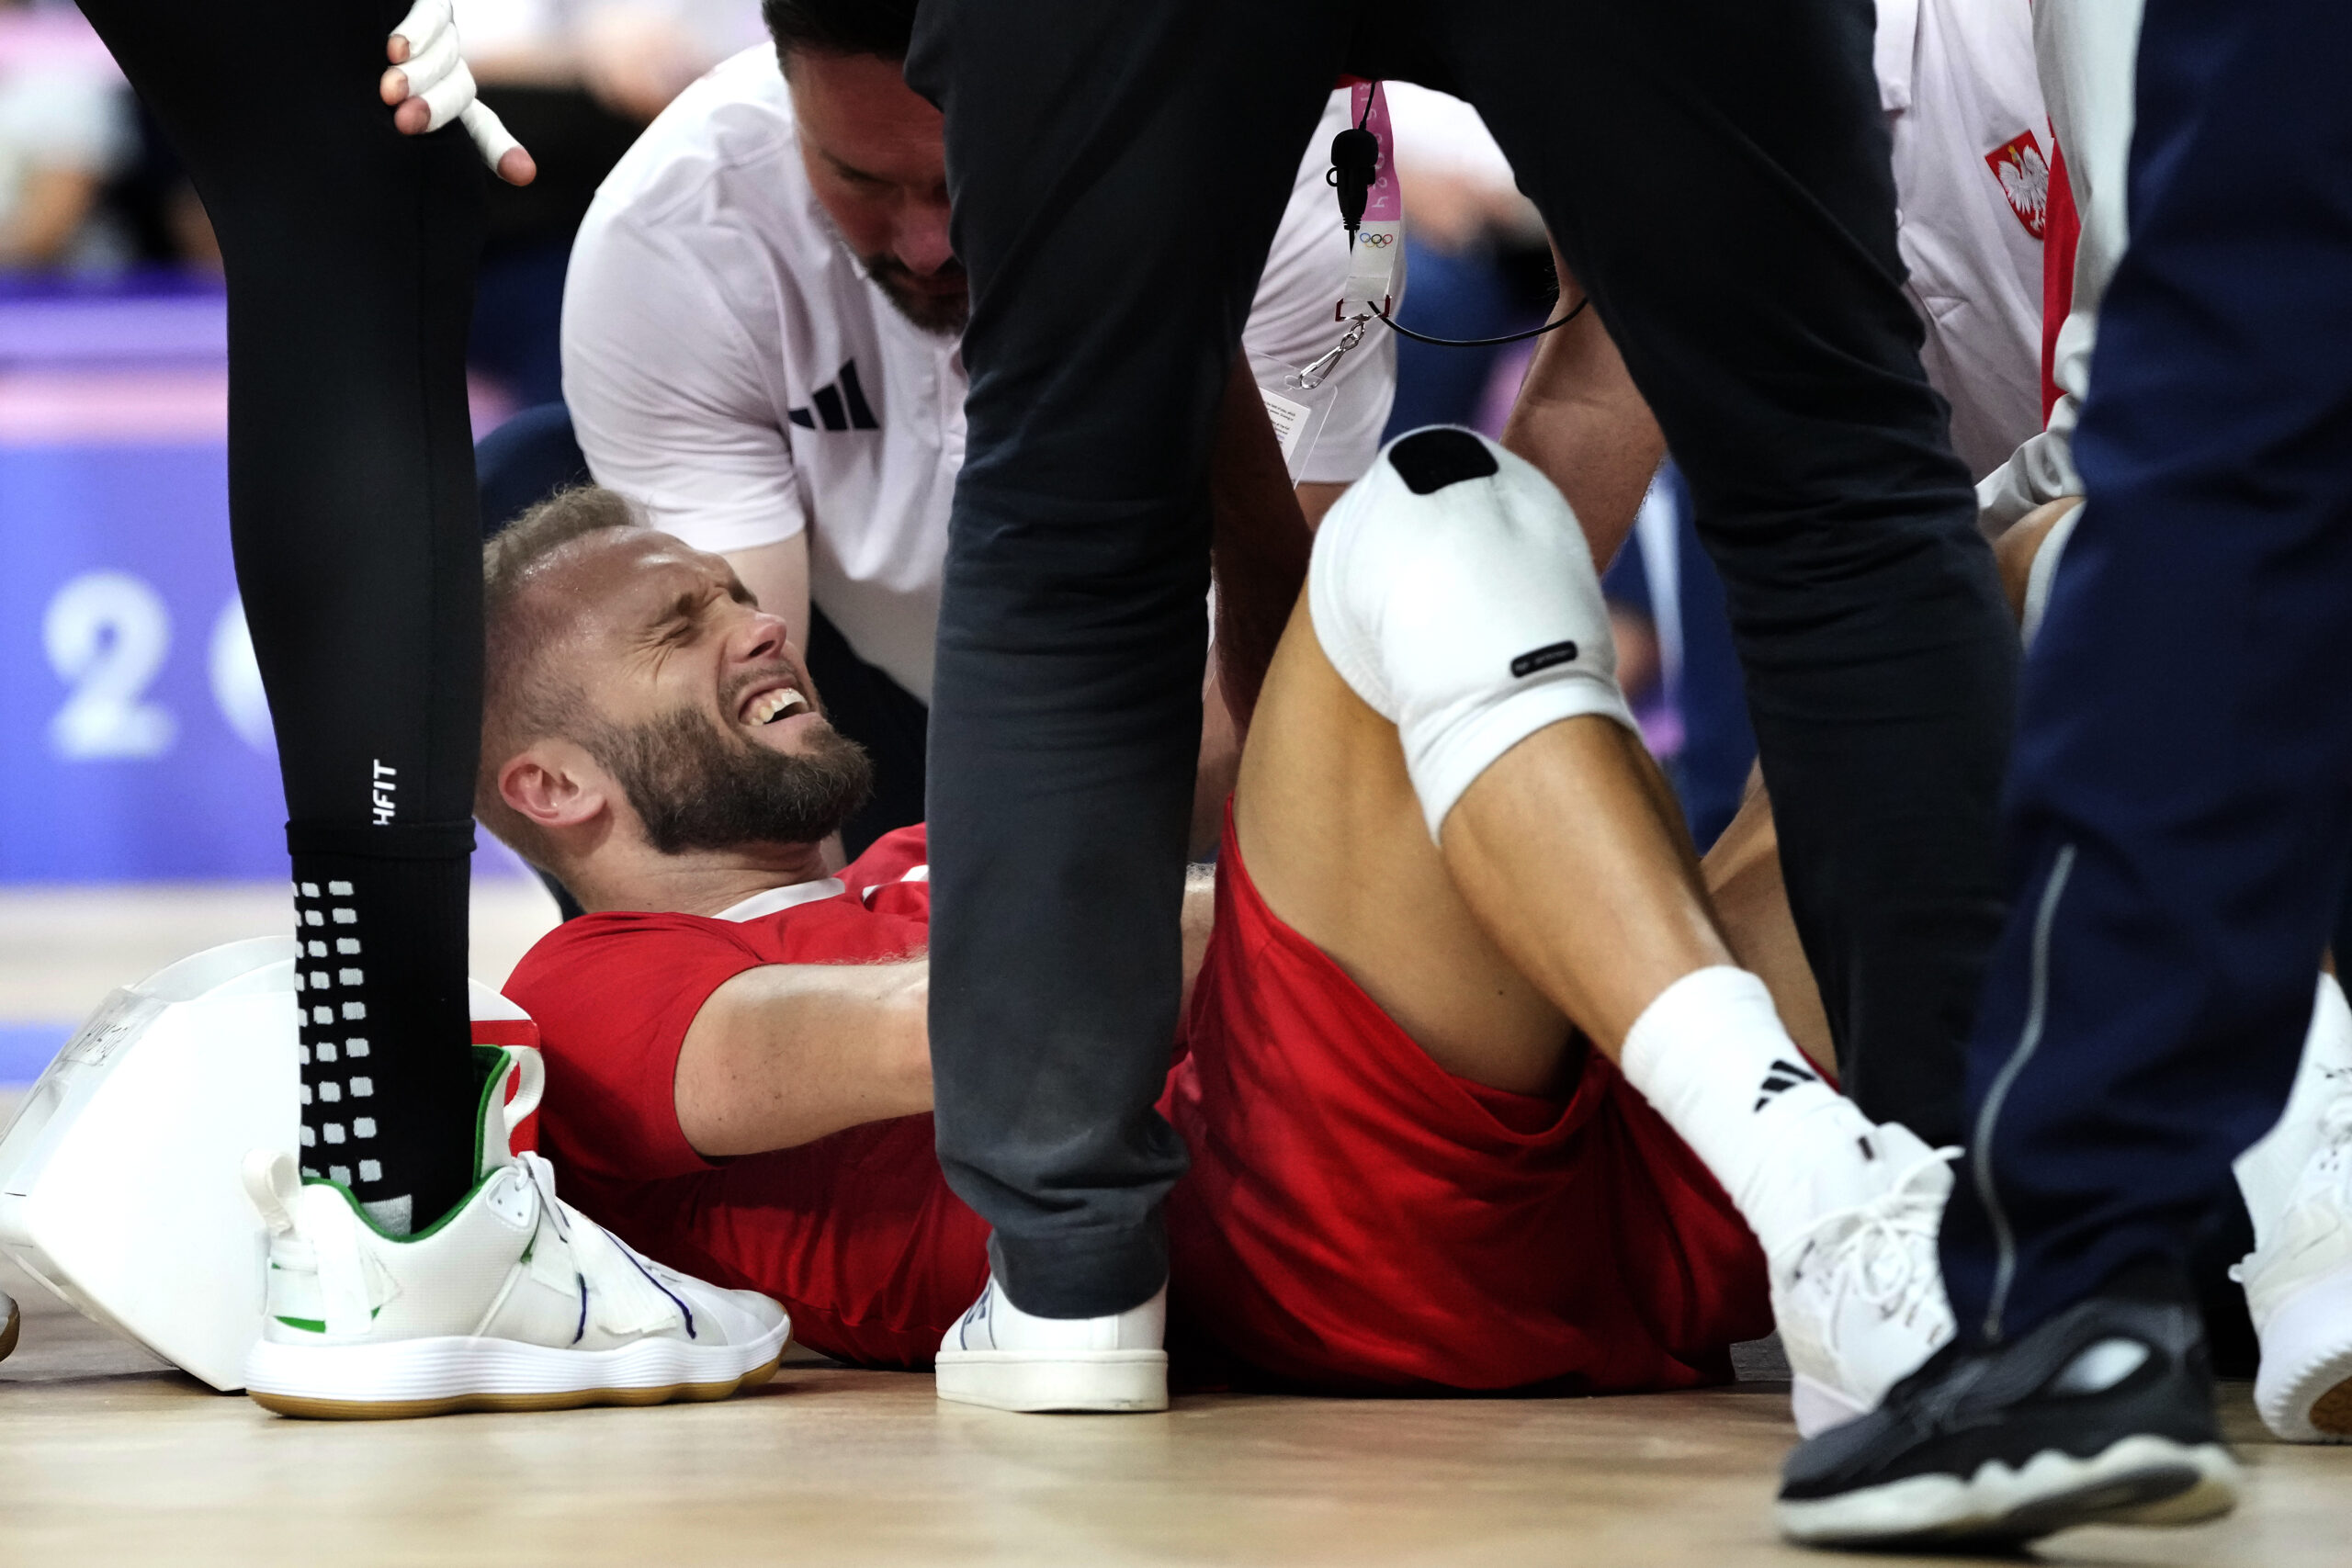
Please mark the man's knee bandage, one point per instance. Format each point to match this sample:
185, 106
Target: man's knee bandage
1453, 590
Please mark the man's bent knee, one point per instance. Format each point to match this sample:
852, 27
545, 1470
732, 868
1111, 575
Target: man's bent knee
1453, 592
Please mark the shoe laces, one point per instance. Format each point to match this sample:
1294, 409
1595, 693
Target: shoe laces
540, 1174
623, 1290
1882, 1253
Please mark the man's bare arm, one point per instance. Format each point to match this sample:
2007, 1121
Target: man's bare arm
1260, 543
1200, 914
1317, 497
787, 1053
1581, 420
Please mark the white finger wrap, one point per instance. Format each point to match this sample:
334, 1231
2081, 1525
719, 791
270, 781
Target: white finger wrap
1452, 590
490, 133
427, 21
430, 65
449, 97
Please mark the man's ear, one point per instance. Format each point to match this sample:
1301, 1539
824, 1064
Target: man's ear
555, 784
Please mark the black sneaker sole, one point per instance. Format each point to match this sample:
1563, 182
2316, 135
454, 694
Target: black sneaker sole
2138, 1480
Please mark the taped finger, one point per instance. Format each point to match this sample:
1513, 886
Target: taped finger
426, 22
490, 133
448, 97
429, 66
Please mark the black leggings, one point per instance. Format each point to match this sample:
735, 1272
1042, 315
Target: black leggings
350, 252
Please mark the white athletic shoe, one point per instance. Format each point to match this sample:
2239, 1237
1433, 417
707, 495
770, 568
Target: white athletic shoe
1860, 1298
2299, 1290
516, 1301
998, 1356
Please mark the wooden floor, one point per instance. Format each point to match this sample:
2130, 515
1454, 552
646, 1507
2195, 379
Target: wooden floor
107, 1457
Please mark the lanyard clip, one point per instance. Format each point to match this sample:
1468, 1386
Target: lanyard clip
1313, 375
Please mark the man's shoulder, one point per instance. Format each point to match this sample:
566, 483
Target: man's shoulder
879, 911
902, 854
727, 147
614, 947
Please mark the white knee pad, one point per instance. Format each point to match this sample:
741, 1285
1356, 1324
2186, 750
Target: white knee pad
1453, 590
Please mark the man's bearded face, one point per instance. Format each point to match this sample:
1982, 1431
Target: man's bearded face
940, 304
696, 787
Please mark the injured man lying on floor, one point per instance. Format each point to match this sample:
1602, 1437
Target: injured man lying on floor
1480, 1092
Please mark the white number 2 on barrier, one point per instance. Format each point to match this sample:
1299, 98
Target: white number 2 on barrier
106, 634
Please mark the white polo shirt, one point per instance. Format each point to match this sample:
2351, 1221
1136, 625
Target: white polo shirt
1971, 178
729, 365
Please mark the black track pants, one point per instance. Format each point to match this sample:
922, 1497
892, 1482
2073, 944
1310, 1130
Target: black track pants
350, 252
1717, 177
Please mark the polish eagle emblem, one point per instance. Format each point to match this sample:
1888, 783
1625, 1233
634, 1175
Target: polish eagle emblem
2024, 175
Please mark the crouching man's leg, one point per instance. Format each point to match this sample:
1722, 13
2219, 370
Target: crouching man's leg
1454, 609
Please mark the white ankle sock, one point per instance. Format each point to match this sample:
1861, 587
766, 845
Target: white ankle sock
1710, 1055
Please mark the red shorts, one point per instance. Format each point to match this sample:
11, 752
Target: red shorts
1359, 1219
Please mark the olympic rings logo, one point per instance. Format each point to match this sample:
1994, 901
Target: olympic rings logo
1376, 241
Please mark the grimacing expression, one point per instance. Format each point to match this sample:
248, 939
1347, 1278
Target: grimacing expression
701, 708
877, 160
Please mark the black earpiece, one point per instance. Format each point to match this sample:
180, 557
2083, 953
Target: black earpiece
1355, 162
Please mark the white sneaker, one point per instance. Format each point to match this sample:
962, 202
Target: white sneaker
1860, 1298
2299, 1290
516, 1301
998, 1356
10, 1323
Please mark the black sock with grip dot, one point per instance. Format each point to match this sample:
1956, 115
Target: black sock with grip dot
385, 1042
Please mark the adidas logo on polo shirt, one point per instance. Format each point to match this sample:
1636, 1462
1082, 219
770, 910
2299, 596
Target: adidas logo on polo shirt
841, 406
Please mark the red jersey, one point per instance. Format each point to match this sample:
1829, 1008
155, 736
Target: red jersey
1356, 1217
856, 1234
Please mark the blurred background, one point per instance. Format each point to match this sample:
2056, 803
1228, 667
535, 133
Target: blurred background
139, 814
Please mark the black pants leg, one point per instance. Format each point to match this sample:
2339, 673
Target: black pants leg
1114, 175
2179, 825
1717, 180
1118, 174
350, 252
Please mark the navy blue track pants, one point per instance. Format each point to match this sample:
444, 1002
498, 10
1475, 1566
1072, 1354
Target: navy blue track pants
2179, 811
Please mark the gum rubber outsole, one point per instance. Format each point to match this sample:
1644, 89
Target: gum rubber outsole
463, 1404
2331, 1412
2303, 1389
9, 1333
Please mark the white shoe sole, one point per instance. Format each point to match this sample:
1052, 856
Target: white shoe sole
2139, 1480
1817, 1406
2304, 1389
445, 1375
1104, 1381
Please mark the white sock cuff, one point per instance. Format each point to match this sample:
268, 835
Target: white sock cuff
1701, 1011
